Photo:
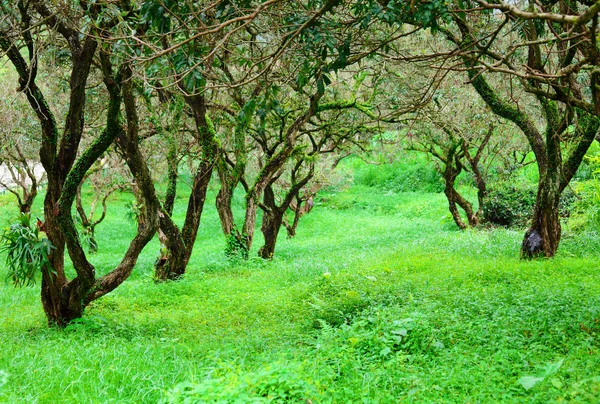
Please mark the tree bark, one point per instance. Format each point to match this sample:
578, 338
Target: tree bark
300, 208
223, 203
178, 244
543, 237
273, 214
453, 167
271, 223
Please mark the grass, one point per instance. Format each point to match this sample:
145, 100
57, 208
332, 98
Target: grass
378, 299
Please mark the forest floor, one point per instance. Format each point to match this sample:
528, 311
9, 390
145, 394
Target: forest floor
378, 299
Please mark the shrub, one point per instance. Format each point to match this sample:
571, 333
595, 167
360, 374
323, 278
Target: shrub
378, 333
586, 202
337, 309
335, 301
27, 252
509, 204
235, 246
586, 207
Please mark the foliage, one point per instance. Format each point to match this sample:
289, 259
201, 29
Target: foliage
408, 174
277, 384
335, 304
132, 211
235, 247
86, 235
230, 328
26, 251
509, 204
586, 209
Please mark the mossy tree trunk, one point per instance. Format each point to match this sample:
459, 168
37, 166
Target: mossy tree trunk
273, 213
61, 299
271, 223
178, 244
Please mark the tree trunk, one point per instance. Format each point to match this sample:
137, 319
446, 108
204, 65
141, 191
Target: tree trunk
55, 307
449, 191
543, 237
179, 244
451, 171
25, 208
291, 227
223, 203
271, 223
28, 198
472, 217
300, 208
171, 263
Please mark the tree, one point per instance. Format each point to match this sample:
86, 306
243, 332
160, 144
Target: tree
193, 53
104, 179
557, 82
21, 171
61, 156
461, 136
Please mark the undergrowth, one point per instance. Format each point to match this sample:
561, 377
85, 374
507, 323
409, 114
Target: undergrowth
377, 299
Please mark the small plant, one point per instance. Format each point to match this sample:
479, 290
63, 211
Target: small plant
27, 251
276, 384
132, 211
87, 236
235, 246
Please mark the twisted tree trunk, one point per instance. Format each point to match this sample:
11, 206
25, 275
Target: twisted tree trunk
178, 244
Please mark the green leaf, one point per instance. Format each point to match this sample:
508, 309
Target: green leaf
528, 382
553, 368
320, 86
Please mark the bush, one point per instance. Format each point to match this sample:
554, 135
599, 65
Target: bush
586, 207
509, 204
380, 333
586, 202
235, 247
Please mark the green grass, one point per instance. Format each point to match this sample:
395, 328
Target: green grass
378, 299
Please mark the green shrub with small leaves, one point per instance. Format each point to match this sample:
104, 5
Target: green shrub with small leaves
509, 204
26, 251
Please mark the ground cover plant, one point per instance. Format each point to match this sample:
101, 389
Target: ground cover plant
378, 298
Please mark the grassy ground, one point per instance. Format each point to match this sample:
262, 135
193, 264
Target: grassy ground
377, 299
